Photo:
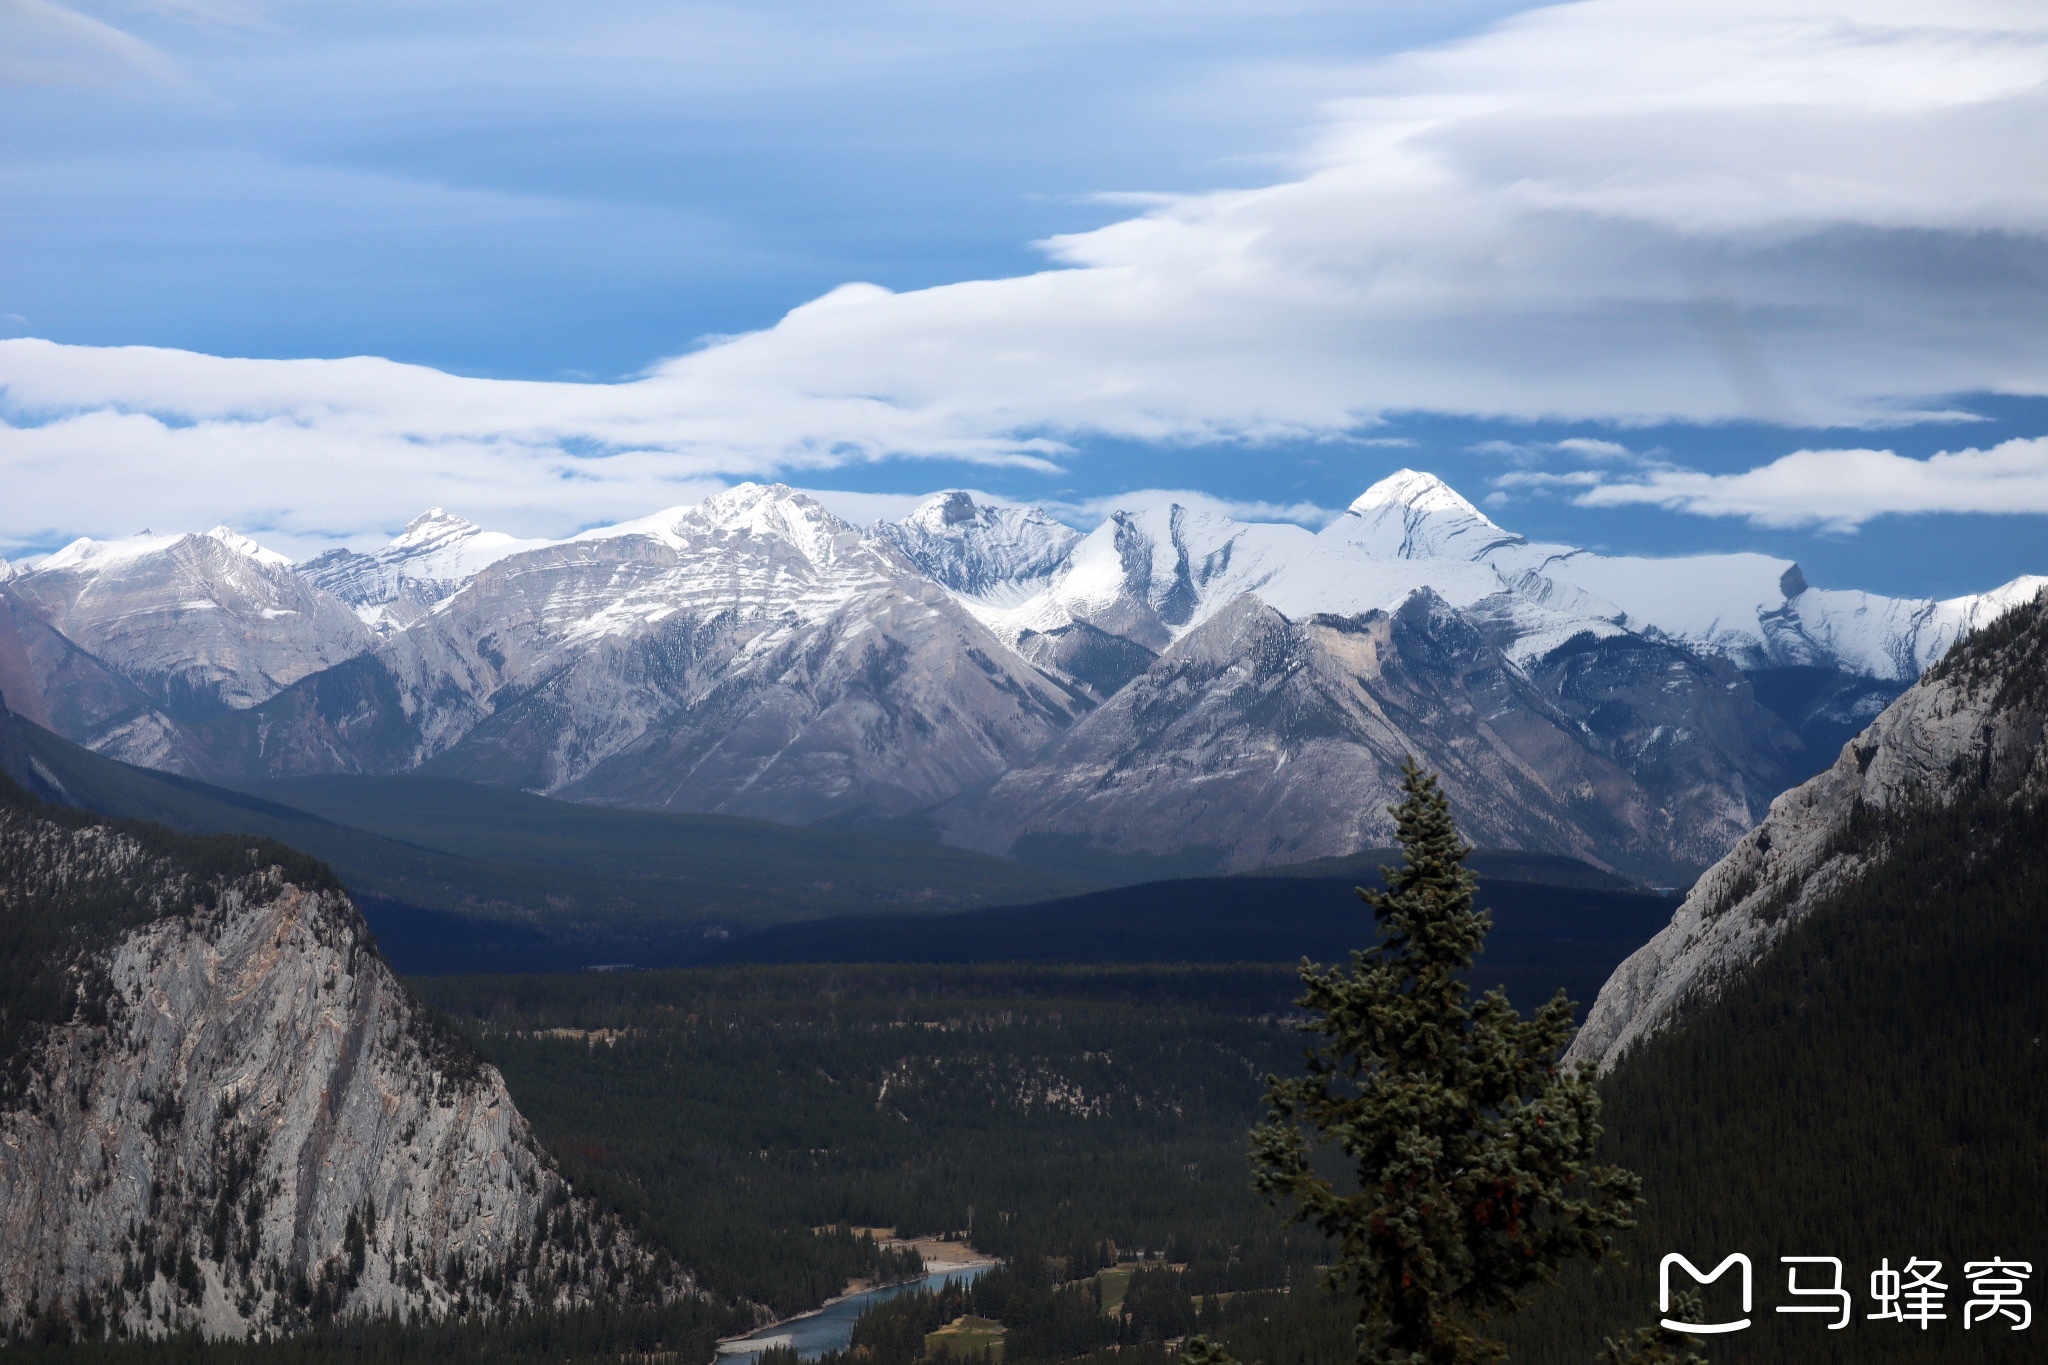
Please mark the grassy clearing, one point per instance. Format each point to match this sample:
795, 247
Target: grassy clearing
1111, 1286
965, 1338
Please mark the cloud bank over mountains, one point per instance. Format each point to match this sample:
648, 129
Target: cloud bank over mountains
1622, 210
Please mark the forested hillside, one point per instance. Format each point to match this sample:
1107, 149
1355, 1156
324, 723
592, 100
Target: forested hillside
1877, 1087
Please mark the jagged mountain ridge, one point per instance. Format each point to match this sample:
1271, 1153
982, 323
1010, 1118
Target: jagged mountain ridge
756, 655
201, 624
1270, 740
1976, 723
434, 557
219, 1110
749, 655
1154, 575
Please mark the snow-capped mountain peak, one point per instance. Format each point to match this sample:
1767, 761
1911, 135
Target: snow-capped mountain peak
89, 555
1413, 488
771, 511
775, 512
1414, 515
435, 526
992, 554
244, 546
198, 622
435, 556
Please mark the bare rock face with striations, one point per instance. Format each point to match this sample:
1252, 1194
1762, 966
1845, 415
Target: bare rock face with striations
200, 624
756, 655
229, 1115
751, 655
1272, 740
1978, 721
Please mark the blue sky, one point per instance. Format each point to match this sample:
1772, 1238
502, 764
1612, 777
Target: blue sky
1604, 265
515, 190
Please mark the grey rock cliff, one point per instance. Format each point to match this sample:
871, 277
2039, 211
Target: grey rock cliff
1268, 740
245, 1123
752, 655
1978, 720
200, 624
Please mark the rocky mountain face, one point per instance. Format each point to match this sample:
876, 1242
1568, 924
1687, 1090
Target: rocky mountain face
756, 655
220, 1110
1270, 740
201, 624
1975, 726
749, 655
433, 558
995, 555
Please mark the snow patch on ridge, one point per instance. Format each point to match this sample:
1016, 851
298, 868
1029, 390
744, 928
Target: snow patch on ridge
89, 555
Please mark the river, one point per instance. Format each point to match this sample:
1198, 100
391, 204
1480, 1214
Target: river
831, 1328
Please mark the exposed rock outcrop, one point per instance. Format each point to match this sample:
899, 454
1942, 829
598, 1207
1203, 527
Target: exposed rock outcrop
220, 1110
201, 624
754, 654
1269, 740
1975, 723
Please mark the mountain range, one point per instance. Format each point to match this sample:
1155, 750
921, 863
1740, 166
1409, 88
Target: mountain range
1172, 685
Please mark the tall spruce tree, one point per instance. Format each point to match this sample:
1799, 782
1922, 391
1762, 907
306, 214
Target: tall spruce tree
1473, 1153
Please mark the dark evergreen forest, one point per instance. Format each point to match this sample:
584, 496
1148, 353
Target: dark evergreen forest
1876, 1089
1085, 1115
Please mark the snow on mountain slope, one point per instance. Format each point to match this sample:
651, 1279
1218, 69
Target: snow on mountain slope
1412, 515
1262, 739
994, 556
1153, 576
1755, 609
200, 623
435, 555
751, 654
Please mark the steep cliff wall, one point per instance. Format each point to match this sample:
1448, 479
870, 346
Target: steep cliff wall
1975, 725
220, 1109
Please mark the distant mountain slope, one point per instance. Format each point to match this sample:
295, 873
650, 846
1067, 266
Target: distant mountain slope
219, 1110
1269, 740
1155, 575
694, 868
1976, 724
557, 867
1490, 864
1544, 937
751, 655
995, 555
433, 558
199, 623
755, 655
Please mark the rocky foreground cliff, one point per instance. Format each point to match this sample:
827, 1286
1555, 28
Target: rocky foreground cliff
1975, 727
219, 1109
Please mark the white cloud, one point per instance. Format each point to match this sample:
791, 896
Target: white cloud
43, 43
1842, 489
1823, 211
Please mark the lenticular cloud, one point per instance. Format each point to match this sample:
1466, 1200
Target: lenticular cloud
1632, 210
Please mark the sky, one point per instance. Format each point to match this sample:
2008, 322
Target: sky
1655, 276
